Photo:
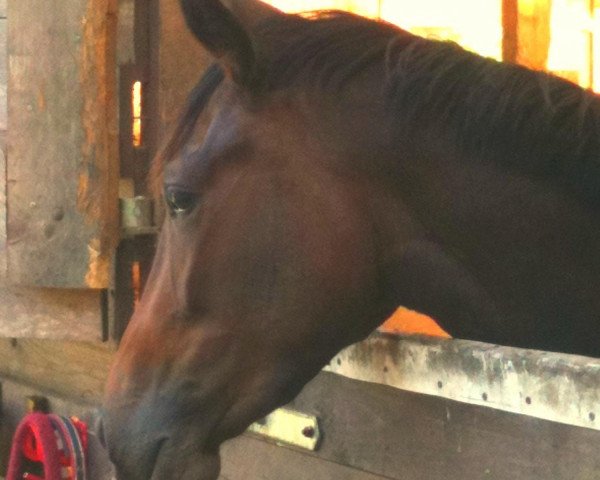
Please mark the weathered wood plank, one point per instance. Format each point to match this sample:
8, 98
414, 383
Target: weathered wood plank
50, 313
247, 458
57, 314
402, 435
62, 147
75, 370
3, 73
551, 386
2, 214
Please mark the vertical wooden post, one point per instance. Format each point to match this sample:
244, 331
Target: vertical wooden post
62, 161
591, 6
510, 30
526, 38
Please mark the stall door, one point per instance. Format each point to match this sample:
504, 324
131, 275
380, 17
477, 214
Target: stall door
59, 218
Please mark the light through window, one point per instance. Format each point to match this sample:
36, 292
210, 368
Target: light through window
572, 28
136, 109
475, 24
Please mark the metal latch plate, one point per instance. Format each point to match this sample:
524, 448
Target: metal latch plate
289, 427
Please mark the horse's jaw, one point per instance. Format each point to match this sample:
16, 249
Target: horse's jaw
174, 398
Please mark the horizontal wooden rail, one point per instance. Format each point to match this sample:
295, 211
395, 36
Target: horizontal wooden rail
557, 387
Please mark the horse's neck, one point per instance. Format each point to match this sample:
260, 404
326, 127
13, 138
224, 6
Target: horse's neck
497, 256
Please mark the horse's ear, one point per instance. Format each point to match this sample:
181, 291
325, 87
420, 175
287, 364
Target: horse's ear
225, 29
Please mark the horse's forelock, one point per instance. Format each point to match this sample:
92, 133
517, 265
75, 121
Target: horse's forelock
196, 103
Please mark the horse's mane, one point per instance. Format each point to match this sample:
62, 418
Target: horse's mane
196, 103
528, 121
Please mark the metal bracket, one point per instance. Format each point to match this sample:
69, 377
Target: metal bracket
137, 217
289, 427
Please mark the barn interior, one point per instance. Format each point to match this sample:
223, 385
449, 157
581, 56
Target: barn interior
88, 90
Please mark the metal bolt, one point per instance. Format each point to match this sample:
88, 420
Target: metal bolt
308, 432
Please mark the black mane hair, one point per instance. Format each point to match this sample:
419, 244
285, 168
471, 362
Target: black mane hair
528, 121
196, 103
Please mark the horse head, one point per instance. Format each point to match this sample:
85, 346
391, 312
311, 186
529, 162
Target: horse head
264, 269
325, 171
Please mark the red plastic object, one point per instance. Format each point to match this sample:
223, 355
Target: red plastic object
48, 443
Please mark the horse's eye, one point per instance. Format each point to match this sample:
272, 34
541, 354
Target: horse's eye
179, 201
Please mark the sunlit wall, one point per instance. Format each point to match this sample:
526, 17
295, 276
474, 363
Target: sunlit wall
574, 49
572, 45
475, 24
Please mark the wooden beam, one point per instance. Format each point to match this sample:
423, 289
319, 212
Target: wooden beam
52, 313
551, 386
510, 28
526, 38
62, 148
74, 370
44, 313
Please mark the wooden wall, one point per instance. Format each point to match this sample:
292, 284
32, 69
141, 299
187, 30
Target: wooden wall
66, 369
3, 73
370, 432
26, 311
62, 163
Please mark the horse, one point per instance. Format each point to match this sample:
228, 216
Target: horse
325, 170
